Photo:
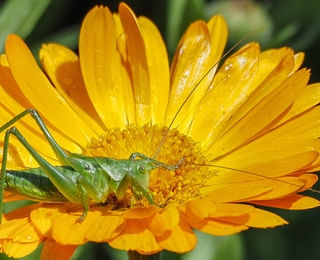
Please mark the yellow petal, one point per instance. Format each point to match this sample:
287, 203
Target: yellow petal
264, 151
63, 67
138, 64
157, 59
230, 88
265, 170
31, 132
307, 99
255, 122
187, 72
274, 67
18, 250
298, 59
236, 192
38, 90
100, 65
305, 125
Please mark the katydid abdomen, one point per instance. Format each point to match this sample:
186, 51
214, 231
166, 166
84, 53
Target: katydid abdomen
34, 184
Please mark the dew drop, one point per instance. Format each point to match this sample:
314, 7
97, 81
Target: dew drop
310, 148
228, 67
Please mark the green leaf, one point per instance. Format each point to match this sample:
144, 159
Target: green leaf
216, 248
180, 14
20, 17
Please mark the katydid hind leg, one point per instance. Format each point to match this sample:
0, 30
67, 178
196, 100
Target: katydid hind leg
3, 171
59, 152
67, 186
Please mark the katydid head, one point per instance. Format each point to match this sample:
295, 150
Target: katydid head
140, 173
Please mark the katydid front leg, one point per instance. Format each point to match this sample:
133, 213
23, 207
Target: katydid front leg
59, 152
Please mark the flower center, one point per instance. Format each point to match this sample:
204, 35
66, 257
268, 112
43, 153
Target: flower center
165, 185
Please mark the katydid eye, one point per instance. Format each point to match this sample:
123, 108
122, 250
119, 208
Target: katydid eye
142, 169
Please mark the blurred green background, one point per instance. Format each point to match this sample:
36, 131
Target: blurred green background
293, 23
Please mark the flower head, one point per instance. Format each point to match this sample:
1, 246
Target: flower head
248, 133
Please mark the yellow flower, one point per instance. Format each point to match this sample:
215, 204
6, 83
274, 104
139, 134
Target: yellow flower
255, 119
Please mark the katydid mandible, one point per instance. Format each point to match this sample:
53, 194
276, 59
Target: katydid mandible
81, 179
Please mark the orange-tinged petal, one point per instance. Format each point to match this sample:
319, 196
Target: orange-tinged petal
265, 170
63, 67
293, 202
53, 251
264, 151
20, 213
94, 227
257, 218
8, 197
180, 239
140, 213
310, 180
307, 99
136, 236
213, 224
218, 228
165, 220
231, 210
282, 187
198, 209
42, 217
53, 106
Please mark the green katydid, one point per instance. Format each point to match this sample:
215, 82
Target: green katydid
82, 179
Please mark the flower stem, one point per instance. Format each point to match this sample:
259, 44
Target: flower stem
134, 255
